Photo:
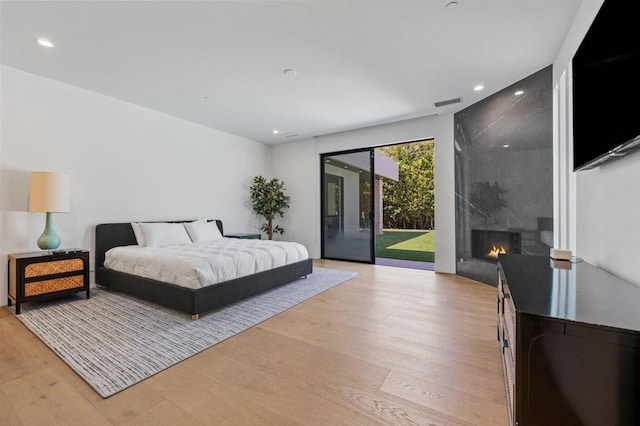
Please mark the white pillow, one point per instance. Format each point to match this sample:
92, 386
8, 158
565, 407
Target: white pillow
164, 234
203, 231
137, 230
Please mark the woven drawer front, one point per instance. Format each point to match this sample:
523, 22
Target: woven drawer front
50, 286
54, 267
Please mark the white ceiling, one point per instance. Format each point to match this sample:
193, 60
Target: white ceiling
221, 63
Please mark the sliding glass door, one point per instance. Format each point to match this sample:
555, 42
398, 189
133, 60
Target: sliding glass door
347, 206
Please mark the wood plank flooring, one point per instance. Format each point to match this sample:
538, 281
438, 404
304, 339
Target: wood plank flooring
390, 347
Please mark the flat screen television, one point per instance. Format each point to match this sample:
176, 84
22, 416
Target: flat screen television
606, 87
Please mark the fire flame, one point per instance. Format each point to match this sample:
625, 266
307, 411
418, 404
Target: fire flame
495, 251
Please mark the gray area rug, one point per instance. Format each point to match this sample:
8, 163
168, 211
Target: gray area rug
114, 341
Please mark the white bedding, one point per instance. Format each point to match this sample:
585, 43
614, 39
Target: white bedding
202, 264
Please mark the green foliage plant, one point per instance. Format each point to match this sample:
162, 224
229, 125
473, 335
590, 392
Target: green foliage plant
409, 202
269, 200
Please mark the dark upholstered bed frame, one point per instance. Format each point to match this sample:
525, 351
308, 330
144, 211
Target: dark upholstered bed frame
193, 302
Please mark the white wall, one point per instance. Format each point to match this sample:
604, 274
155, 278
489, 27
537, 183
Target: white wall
126, 163
603, 204
298, 164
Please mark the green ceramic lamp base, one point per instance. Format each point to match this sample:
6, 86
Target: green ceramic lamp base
49, 240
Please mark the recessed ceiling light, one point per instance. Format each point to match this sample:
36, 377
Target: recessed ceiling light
275, 131
451, 5
44, 42
346, 167
519, 92
289, 72
505, 146
478, 88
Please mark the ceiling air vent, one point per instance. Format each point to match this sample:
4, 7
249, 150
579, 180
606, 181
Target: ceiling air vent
291, 134
447, 102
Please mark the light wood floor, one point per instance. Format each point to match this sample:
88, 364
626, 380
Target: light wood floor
390, 347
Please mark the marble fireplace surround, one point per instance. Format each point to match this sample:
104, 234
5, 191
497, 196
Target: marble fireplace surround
504, 175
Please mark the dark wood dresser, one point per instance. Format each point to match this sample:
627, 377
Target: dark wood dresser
570, 337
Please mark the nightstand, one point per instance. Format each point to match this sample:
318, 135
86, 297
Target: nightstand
244, 236
42, 275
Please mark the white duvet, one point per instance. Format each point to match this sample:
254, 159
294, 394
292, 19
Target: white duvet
202, 264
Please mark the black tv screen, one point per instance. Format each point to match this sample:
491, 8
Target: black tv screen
606, 87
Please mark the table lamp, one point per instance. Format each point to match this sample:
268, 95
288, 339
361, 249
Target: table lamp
49, 193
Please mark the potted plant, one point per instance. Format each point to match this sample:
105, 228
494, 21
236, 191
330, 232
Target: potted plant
269, 200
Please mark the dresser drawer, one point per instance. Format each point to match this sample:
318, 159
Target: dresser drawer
509, 317
53, 267
53, 285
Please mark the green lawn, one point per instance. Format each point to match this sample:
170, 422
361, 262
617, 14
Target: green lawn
406, 244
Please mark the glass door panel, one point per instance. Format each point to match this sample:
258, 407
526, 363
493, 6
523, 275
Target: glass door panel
347, 206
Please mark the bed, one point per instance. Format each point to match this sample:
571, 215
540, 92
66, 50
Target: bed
193, 301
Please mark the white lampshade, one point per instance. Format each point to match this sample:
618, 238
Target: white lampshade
50, 192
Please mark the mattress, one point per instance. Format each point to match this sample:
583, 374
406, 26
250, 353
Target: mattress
203, 264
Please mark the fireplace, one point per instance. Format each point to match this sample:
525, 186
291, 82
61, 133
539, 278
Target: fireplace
486, 245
